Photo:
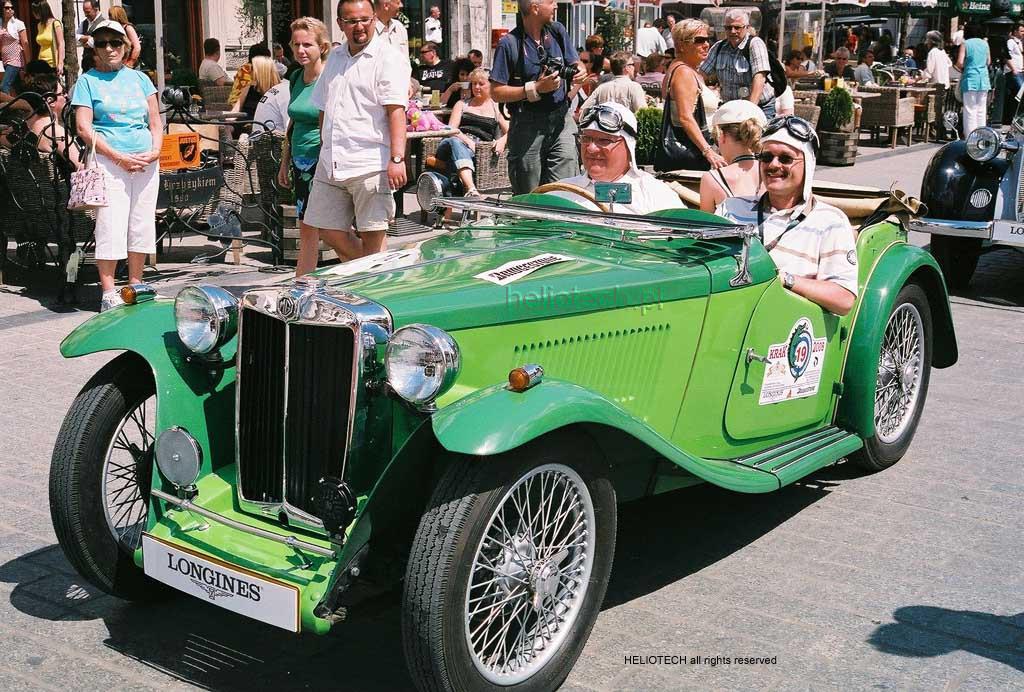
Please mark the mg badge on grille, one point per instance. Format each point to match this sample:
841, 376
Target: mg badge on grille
287, 307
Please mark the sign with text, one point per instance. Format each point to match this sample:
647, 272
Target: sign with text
179, 150
189, 188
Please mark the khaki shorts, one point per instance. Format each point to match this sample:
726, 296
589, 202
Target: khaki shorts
365, 202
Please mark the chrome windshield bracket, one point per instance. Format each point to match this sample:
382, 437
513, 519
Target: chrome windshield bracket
742, 277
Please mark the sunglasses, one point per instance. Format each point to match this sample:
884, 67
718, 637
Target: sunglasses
785, 159
607, 119
796, 126
700, 40
113, 43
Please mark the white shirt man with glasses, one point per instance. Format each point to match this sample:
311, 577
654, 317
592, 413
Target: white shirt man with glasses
362, 94
608, 147
811, 242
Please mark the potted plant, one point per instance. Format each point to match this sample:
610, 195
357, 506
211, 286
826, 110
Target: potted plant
836, 129
648, 131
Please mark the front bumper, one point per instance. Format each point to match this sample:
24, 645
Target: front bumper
1006, 233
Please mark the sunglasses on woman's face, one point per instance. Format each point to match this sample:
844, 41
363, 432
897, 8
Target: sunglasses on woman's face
113, 43
700, 40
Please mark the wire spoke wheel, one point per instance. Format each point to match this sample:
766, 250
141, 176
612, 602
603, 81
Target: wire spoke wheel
127, 467
899, 372
530, 574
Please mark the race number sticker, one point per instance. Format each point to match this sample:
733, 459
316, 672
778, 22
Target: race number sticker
512, 271
794, 367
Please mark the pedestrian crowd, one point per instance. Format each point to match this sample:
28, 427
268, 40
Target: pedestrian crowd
345, 110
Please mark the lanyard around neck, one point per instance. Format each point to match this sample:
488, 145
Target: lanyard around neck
793, 223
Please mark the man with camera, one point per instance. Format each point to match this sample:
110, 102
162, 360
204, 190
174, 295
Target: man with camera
535, 68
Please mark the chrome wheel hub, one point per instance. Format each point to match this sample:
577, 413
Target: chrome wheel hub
530, 574
899, 373
127, 467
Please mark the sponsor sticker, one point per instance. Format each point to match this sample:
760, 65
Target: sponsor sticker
239, 591
793, 370
513, 271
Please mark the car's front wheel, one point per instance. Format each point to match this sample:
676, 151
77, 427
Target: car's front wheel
100, 477
508, 570
901, 381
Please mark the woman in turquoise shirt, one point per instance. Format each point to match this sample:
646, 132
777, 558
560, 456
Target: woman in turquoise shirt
973, 61
117, 113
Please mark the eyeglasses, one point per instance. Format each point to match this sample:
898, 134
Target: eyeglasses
113, 43
600, 143
357, 22
766, 158
607, 119
735, 27
799, 128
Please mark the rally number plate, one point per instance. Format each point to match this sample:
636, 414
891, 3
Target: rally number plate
239, 591
1008, 233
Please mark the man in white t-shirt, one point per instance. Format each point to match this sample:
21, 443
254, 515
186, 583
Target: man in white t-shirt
210, 70
389, 28
649, 40
1014, 64
432, 26
361, 93
608, 147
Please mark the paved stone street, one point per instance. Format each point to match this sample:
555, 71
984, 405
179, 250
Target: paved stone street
909, 579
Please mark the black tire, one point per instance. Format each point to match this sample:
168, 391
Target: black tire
87, 448
957, 257
435, 612
890, 443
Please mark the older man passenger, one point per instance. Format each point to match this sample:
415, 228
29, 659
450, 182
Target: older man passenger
608, 146
811, 242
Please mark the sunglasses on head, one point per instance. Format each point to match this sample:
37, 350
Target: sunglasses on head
113, 43
785, 159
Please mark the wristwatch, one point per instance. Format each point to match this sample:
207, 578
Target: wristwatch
397, 159
788, 280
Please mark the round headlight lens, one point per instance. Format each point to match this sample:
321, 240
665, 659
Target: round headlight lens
206, 317
421, 362
983, 144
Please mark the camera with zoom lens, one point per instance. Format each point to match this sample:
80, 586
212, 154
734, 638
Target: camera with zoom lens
553, 64
177, 97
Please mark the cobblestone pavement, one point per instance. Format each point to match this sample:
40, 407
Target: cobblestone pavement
907, 579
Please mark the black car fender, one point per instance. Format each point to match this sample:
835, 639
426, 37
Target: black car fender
952, 177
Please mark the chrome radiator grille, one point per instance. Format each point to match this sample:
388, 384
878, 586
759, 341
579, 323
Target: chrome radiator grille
295, 387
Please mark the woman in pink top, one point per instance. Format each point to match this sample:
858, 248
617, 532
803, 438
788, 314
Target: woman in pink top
13, 45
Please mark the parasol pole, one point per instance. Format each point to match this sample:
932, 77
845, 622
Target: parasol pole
158, 11
782, 28
821, 42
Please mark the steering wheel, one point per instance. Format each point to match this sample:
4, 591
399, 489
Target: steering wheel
575, 189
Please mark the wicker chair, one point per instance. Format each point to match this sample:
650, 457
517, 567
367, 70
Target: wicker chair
808, 111
491, 170
888, 111
215, 98
932, 114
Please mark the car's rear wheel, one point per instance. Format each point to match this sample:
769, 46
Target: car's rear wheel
901, 385
508, 570
957, 257
100, 477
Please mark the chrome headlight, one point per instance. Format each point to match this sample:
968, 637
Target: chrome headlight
983, 144
429, 187
421, 363
206, 317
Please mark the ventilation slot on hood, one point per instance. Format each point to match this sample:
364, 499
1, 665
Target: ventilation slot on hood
621, 365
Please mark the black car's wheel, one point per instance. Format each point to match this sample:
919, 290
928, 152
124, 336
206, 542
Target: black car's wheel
957, 257
100, 477
508, 570
904, 367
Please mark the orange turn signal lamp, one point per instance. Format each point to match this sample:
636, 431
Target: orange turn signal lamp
522, 378
137, 293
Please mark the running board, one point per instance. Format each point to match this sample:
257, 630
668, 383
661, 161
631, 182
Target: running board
795, 459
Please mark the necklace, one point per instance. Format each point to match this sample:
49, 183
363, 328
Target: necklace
744, 157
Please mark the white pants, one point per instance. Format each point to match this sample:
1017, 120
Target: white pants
975, 106
128, 222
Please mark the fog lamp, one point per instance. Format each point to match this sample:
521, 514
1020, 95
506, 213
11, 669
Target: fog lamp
178, 456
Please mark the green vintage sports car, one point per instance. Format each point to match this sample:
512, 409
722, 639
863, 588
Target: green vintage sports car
467, 413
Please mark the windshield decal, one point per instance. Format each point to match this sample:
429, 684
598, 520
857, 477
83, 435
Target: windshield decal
512, 271
793, 370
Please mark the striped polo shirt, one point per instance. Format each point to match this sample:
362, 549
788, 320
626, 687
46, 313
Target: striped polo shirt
822, 246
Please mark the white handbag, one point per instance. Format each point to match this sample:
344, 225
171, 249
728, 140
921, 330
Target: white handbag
88, 188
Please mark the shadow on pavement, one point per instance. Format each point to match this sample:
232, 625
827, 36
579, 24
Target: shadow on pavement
660, 540
925, 631
999, 279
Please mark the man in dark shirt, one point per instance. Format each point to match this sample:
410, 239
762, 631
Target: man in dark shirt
542, 135
433, 72
840, 66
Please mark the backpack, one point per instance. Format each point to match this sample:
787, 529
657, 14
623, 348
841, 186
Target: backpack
776, 77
